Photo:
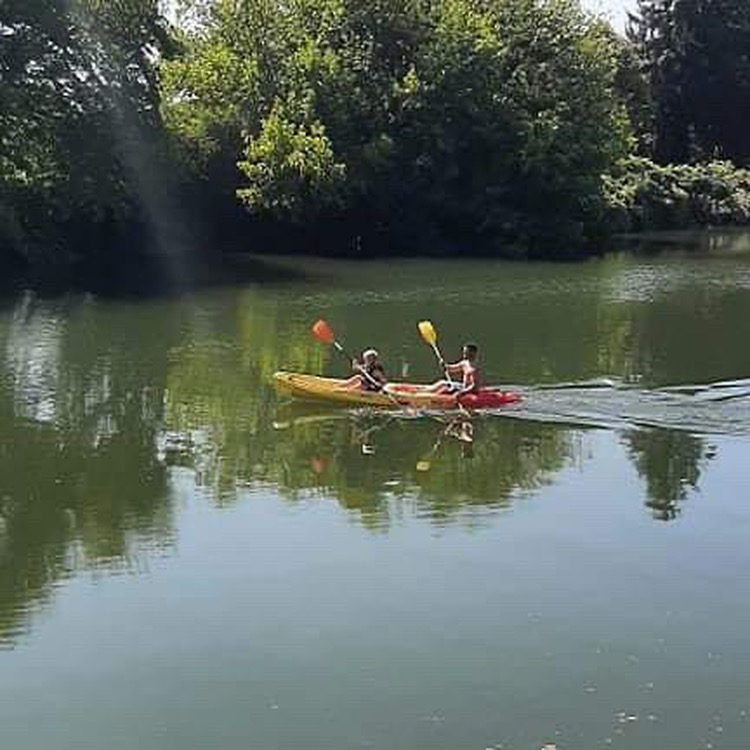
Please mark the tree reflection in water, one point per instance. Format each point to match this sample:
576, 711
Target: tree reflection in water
80, 484
368, 460
99, 400
670, 462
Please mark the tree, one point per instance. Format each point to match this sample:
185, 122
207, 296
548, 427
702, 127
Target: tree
412, 122
696, 56
78, 84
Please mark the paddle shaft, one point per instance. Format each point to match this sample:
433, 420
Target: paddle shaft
429, 336
367, 375
436, 445
441, 360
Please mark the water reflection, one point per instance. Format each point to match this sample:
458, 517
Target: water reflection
100, 401
670, 463
445, 468
80, 484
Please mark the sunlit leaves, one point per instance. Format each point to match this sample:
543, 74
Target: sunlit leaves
645, 195
291, 168
78, 88
466, 118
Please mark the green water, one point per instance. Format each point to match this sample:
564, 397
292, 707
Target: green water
188, 560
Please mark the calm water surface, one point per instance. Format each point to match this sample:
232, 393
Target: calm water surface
188, 560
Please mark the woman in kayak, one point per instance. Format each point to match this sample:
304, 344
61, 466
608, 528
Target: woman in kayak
466, 369
370, 372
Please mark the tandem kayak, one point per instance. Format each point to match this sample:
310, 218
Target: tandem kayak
406, 394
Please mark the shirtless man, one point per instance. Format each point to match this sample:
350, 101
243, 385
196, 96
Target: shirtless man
466, 369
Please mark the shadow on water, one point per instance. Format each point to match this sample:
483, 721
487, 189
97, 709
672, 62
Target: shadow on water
724, 241
142, 277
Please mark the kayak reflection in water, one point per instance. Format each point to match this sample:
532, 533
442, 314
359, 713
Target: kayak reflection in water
364, 426
363, 436
370, 372
462, 429
467, 368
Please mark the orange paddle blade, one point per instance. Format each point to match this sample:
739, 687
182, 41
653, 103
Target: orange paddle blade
322, 331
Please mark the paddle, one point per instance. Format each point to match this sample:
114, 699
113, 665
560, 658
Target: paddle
323, 332
425, 462
429, 336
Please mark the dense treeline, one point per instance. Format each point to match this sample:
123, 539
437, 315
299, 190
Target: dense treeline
366, 126
696, 58
403, 122
79, 122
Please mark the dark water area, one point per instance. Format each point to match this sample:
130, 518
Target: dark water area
188, 559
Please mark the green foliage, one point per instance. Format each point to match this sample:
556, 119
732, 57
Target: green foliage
490, 121
290, 168
634, 90
643, 195
409, 125
79, 100
695, 55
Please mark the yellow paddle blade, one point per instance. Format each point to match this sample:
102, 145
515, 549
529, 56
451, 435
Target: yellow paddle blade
427, 332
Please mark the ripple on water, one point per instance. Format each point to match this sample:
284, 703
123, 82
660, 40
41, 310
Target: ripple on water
715, 408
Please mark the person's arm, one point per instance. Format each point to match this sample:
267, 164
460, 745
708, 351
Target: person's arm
375, 377
355, 381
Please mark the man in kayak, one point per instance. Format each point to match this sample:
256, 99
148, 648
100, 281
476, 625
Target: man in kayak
467, 369
370, 372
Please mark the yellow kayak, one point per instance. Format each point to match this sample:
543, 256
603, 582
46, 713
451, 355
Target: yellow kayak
406, 394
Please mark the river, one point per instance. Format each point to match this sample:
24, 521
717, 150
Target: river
189, 560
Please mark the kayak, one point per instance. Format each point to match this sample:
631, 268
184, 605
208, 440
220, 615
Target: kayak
406, 394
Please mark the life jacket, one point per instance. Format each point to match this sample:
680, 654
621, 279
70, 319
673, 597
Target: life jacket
370, 385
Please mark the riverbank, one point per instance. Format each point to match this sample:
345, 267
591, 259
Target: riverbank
642, 200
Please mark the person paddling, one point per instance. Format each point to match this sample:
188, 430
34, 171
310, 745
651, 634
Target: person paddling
467, 369
370, 372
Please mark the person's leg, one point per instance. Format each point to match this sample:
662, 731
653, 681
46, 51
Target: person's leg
354, 382
443, 386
